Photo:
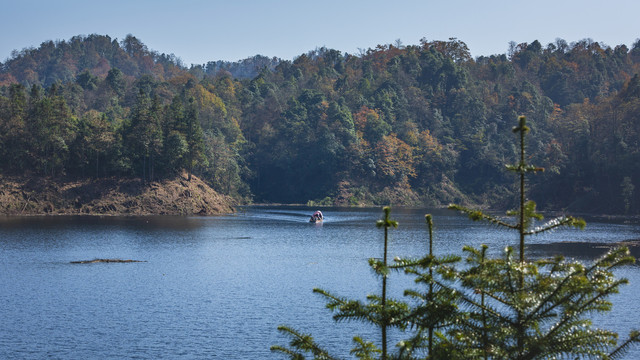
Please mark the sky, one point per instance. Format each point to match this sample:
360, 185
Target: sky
199, 31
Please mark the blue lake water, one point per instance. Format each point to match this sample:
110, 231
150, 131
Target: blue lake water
218, 287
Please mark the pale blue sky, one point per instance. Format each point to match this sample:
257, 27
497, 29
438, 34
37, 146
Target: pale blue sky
201, 31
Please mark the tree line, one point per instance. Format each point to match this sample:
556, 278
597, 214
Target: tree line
416, 124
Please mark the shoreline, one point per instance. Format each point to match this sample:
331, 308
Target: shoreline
43, 196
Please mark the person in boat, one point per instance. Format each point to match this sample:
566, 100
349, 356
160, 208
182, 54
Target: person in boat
317, 216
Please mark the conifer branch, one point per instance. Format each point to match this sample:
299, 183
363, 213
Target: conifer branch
470, 301
581, 308
424, 262
523, 168
364, 349
407, 347
477, 215
544, 303
386, 222
302, 342
613, 258
292, 354
622, 349
379, 267
332, 298
512, 289
558, 222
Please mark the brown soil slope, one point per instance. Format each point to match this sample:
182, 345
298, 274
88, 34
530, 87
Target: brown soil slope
37, 196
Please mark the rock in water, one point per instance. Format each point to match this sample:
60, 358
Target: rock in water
105, 261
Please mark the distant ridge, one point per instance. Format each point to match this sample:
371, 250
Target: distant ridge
63, 60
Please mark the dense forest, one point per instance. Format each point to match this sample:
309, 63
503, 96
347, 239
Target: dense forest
422, 124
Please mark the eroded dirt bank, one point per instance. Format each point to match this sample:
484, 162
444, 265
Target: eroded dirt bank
110, 196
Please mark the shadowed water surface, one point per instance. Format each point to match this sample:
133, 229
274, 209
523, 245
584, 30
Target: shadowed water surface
218, 287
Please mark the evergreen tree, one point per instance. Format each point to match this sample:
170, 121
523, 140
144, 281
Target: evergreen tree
115, 80
174, 143
52, 129
537, 309
194, 137
144, 135
13, 129
490, 308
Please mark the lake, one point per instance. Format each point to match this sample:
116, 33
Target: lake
218, 287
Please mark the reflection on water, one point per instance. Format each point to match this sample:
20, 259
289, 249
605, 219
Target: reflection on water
211, 283
131, 222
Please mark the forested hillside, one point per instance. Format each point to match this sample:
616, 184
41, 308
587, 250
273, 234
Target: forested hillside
419, 124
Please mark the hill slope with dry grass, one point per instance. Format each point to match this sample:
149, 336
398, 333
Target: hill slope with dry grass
111, 196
